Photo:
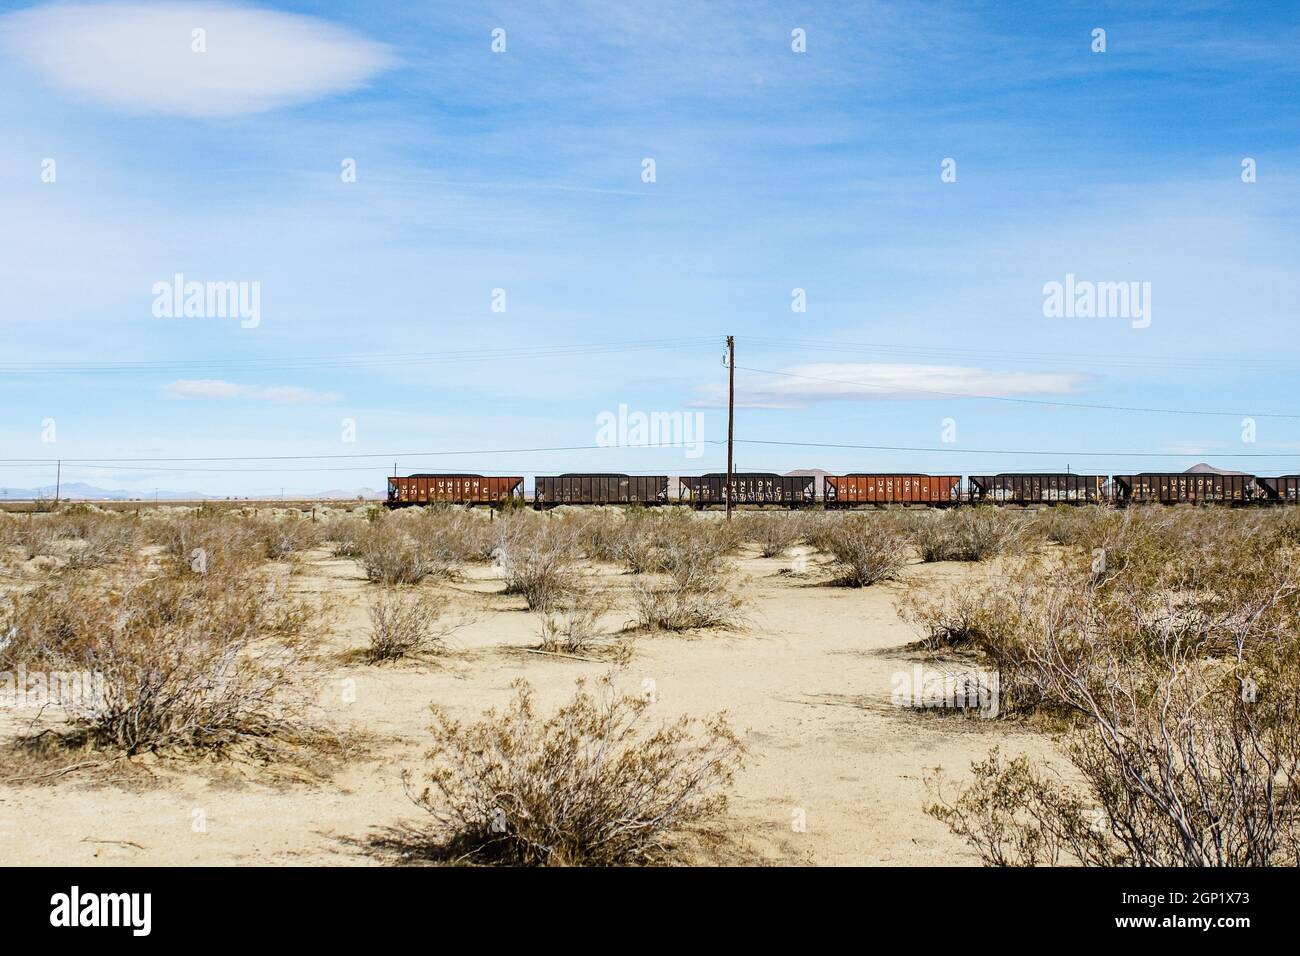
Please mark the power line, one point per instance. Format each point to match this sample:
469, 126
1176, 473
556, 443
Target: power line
1021, 401
1054, 358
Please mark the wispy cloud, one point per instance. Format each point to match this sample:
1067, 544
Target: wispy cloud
190, 59
191, 388
875, 381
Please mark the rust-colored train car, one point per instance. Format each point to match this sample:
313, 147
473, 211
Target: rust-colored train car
1037, 489
844, 491
1172, 488
1284, 489
599, 489
425, 489
748, 488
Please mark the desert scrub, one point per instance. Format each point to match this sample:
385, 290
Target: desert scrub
537, 559
774, 533
865, 550
282, 537
571, 622
672, 606
588, 785
957, 617
967, 534
1176, 668
404, 623
1016, 814
390, 554
194, 662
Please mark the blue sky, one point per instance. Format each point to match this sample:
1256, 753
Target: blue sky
522, 171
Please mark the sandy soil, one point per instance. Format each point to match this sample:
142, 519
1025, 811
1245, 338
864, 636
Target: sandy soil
808, 685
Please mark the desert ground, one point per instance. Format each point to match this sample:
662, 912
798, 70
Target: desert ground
806, 683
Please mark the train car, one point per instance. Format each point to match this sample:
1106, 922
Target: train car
599, 489
1285, 489
748, 488
1171, 488
426, 489
1016, 488
845, 491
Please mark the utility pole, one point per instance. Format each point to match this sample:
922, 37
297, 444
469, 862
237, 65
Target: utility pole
731, 412
58, 482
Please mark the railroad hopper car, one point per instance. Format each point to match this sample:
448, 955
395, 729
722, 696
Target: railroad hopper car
846, 491
599, 489
1285, 489
1171, 488
1035, 489
425, 489
748, 488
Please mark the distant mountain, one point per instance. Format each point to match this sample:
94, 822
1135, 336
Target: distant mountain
1203, 469
80, 491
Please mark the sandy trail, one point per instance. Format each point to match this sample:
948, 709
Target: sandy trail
807, 684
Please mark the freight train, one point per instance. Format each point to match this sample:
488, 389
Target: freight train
863, 489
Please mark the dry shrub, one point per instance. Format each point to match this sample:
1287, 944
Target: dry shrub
282, 537
1015, 814
864, 550
211, 539
572, 621
675, 607
588, 785
968, 534
37, 535
460, 534
691, 554
774, 533
200, 661
403, 623
391, 555
1176, 661
955, 617
537, 559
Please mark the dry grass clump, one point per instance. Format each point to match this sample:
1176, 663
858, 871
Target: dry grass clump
570, 623
1177, 663
865, 550
199, 661
537, 559
774, 533
968, 534
209, 541
952, 618
391, 554
405, 623
587, 785
464, 536
282, 537
691, 591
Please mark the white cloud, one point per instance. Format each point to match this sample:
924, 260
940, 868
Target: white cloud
874, 381
216, 388
140, 57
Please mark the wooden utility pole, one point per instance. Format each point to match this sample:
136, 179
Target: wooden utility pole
731, 412
58, 482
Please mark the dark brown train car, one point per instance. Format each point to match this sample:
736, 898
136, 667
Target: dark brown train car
1285, 489
1037, 489
1171, 488
427, 489
749, 488
843, 491
599, 489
